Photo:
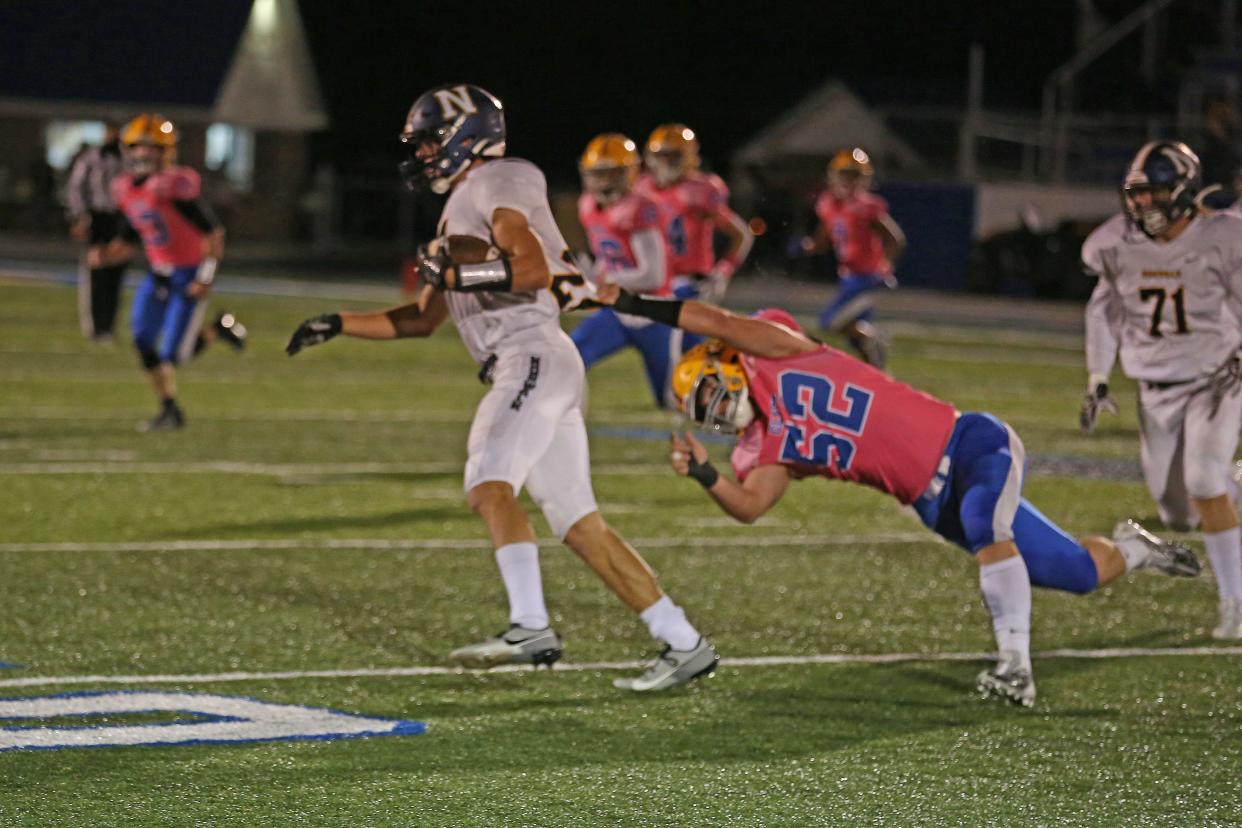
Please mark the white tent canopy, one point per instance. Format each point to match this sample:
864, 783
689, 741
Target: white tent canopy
828, 119
271, 82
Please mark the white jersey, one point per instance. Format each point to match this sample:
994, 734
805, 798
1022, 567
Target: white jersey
485, 319
1171, 308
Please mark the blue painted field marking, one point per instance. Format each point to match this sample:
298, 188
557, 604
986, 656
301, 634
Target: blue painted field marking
11, 665
662, 434
217, 720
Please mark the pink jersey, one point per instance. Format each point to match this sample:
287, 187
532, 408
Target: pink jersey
858, 246
609, 230
688, 213
825, 413
169, 238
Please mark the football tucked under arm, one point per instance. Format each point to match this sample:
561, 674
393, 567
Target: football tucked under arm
464, 263
465, 249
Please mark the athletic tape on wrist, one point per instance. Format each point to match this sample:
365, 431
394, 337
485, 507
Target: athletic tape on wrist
703, 472
492, 275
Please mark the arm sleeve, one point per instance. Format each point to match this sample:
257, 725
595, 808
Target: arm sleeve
1104, 315
199, 213
648, 273
125, 231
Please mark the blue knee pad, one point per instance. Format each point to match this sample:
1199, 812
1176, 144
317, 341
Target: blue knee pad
962, 510
979, 475
1053, 558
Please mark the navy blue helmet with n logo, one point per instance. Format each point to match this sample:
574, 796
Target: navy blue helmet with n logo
1161, 185
447, 128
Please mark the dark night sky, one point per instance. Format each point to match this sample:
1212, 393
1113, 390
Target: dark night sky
567, 71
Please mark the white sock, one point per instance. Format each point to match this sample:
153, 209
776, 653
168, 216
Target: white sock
1225, 551
1006, 589
1135, 552
667, 622
519, 569
1231, 489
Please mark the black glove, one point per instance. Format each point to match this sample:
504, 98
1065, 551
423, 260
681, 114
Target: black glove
313, 331
1225, 380
1097, 400
433, 267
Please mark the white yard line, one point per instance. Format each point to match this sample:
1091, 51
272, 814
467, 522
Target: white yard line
400, 544
758, 661
461, 415
285, 469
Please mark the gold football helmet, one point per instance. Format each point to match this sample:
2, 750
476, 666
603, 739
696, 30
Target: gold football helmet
849, 170
148, 143
710, 387
609, 166
672, 151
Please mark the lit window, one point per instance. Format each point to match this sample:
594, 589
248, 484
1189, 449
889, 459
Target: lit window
231, 149
65, 139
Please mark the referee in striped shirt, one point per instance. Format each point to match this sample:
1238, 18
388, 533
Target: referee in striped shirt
94, 219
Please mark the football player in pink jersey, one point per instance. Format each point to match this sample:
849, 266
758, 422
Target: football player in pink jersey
163, 208
623, 229
855, 223
804, 409
693, 205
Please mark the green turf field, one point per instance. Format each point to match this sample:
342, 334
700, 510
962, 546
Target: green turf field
310, 518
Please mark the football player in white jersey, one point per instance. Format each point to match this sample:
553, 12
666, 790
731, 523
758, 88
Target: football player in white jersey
1168, 299
528, 429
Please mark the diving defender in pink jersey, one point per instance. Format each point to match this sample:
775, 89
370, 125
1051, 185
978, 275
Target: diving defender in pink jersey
804, 409
627, 241
693, 205
162, 208
855, 223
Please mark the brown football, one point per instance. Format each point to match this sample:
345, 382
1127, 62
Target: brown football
470, 249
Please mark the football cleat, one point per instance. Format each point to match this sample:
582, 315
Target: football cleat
516, 645
673, 668
170, 418
1016, 685
1230, 625
1163, 556
230, 330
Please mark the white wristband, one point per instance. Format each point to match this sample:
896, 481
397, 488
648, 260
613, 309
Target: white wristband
206, 271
